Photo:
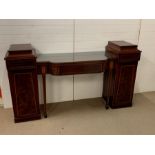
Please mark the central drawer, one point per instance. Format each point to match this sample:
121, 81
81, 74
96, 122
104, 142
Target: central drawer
77, 68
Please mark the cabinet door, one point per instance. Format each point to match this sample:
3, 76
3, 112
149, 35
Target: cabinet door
124, 82
24, 91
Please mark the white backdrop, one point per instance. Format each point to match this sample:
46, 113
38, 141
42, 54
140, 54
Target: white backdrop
56, 36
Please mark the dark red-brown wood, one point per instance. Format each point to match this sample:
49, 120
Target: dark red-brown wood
68, 68
125, 57
82, 67
44, 72
0, 93
119, 76
22, 73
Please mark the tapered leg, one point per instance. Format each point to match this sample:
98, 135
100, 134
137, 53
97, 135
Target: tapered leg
109, 82
43, 72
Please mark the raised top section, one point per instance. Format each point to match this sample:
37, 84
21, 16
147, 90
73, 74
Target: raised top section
122, 51
20, 51
18, 48
122, 46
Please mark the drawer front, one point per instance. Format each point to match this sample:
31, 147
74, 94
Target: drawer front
86, 68
20, 64
77, 68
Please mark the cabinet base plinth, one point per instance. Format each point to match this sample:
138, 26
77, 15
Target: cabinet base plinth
120, 106
117, 105
18, 120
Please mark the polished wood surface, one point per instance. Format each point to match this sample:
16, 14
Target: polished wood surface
125, 57
118, 62
69, 63
43, 73
22, 73
71, 57
0, 93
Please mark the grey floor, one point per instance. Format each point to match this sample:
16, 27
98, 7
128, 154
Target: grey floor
88, 117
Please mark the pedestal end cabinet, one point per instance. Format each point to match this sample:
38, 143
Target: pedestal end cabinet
119, 77
22, 73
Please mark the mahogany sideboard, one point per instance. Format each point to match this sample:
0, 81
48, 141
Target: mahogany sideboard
118, 62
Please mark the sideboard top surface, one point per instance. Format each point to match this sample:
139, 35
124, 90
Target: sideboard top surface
72, 57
